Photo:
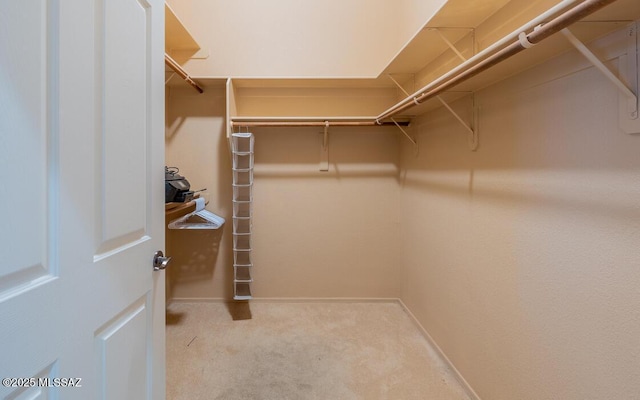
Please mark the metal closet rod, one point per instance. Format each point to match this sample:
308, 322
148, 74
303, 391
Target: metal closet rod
297, 122
496, 53
171, 63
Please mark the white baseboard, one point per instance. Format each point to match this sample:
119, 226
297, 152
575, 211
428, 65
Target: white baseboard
287, 300
197, 300
468, 389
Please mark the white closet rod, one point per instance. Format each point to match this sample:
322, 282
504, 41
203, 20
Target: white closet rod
497, 53
171, 63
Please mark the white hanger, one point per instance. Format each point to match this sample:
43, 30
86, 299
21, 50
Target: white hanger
199, 219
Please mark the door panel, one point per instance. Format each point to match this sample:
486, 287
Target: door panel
125, 129
37, 392
82, 153
26, 111
122, 353
28, 140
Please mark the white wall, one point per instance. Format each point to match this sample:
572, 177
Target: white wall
293, 38
521, 260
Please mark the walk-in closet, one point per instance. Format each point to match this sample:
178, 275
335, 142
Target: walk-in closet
416, 200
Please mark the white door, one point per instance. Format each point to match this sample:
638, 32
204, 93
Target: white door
81, 199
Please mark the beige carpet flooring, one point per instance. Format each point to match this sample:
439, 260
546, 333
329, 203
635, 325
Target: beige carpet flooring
301, 351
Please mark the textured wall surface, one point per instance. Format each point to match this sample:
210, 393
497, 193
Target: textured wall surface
521, 259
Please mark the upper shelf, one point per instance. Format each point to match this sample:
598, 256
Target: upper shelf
503, 21
179, 46
474, 26
456, 19
176, 36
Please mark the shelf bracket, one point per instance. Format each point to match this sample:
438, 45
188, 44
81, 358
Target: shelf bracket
471, 130
630, 73
166, 82
398, 85
632, 99
324, 149
412, 140
451, 45
171, 63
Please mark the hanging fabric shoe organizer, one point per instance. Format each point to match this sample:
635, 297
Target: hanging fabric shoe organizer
242, 152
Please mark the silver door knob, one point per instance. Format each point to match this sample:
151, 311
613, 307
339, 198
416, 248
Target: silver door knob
160, 262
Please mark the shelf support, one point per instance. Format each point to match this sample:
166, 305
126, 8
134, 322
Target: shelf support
630, 73
398, 85
166, 82
412, 140
632, 99
451, 45
471, 130
171, 63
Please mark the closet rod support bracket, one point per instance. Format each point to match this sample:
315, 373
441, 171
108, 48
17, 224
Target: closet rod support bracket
472, 130
166, 82
630, 73
325, 141
632, 99
451, 46
324, 149
398, 85
412, 140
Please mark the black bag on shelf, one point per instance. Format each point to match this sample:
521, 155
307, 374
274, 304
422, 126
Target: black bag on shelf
176, 187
